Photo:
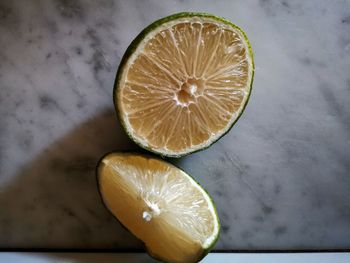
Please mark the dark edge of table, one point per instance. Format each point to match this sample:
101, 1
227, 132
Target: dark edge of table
250, 251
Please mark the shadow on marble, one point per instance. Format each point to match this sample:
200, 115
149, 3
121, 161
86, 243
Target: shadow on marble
54, 203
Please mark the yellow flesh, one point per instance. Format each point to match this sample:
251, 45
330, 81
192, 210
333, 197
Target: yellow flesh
186, 85
159, 204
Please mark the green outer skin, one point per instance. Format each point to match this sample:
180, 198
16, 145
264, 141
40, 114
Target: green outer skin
132, 47
205, 251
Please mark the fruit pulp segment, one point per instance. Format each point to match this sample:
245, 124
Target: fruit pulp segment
186, 84
158, 204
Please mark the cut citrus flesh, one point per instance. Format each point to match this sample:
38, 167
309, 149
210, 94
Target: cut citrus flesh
183, 83
160, 204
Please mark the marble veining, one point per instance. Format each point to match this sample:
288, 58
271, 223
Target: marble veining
280, 177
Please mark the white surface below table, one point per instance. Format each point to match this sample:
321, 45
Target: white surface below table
21, 257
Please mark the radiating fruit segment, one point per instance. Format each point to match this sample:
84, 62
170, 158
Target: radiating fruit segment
183, 83
160, 204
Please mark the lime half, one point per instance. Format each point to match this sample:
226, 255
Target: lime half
183, 83
160, 204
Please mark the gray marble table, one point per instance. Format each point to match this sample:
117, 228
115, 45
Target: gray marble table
280, 178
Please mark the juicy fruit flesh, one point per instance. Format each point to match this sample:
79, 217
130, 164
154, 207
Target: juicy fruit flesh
186, 85
159, 204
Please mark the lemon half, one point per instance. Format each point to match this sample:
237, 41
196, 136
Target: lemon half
183, 83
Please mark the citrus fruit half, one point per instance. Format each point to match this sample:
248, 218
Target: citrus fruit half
160, 204
183, 82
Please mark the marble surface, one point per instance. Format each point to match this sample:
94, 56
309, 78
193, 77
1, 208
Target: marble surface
280, 177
